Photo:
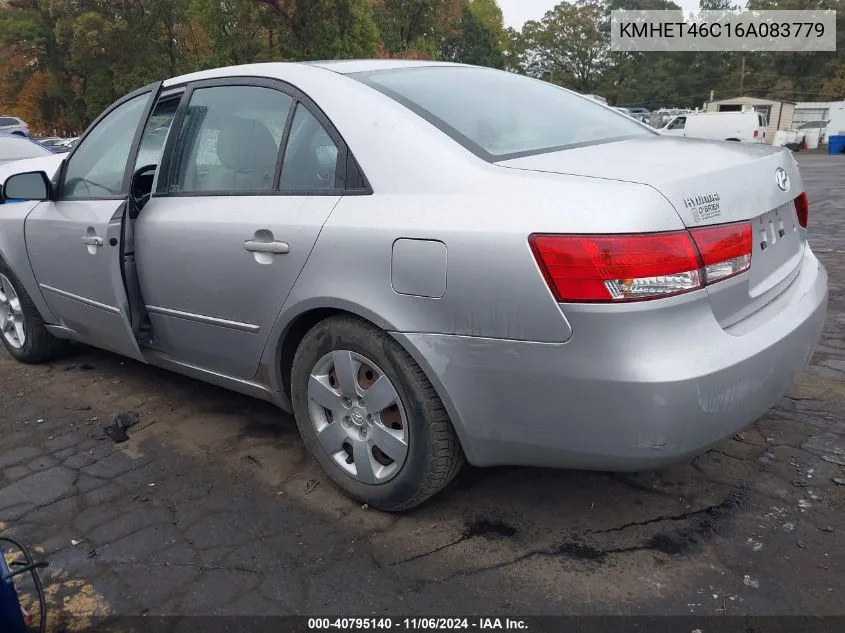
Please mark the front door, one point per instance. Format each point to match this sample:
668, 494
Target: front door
76, 243
220, 244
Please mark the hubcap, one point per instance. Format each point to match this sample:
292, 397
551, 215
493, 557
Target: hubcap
11, 315
359, 419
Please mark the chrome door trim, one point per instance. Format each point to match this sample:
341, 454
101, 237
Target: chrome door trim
201, 318
86, 301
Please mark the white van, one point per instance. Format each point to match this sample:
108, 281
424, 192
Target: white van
744, 127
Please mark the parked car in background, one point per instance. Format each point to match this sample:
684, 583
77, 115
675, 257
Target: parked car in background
15, 147
821, 126
247, 227
742, 127
13, 125
641, 114
54, 144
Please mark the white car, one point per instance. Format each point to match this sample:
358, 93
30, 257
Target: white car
13, 125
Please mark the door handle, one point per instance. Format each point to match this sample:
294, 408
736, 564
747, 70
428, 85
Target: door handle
276, 248
92, 240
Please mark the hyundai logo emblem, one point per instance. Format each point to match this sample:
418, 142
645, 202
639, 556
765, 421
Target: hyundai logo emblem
782, 179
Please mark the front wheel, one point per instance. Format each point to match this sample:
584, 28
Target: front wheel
370, 417
21, 326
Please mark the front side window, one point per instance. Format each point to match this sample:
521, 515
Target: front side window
230, 140
97, 167
310, 162
500, 115
155, 133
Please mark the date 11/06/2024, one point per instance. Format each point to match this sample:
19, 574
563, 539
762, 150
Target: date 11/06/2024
416, 624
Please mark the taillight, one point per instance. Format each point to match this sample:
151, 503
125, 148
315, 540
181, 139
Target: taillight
802, 209
614, 268
756, 133
725, 250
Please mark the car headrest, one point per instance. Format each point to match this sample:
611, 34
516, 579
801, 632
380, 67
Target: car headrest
246, 145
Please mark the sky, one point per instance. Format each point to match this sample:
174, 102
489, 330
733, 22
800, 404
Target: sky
518, 12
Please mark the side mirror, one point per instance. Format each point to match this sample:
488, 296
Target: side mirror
33, 185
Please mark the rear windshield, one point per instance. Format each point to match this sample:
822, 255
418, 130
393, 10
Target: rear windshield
12, 148
500, 115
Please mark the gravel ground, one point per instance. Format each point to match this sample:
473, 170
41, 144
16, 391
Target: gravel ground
213, 507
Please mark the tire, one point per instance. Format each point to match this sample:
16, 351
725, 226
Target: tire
38, 344
433, 453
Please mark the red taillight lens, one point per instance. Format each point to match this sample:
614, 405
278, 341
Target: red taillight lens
725, 250
617, 267
614, 268
802, 209
756, 133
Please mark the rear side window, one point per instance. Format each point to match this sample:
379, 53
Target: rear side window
500, 115
230, 140
310, 162
5, 120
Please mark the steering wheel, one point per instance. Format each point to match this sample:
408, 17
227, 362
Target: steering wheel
73, 182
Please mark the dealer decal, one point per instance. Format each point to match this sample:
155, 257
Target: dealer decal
704, 207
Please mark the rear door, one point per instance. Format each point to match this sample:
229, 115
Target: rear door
222, 241
762, 124
75, 242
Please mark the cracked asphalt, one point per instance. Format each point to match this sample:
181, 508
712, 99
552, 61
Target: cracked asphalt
213, 506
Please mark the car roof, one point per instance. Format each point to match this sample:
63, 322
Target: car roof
347, 66
280, 70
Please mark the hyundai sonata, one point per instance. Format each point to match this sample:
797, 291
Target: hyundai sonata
425, 263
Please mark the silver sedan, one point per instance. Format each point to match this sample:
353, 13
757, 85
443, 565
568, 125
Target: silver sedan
425, 263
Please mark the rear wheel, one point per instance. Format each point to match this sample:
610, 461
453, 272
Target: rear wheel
21, 326
370, 417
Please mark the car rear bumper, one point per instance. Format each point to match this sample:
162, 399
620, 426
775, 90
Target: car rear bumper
632, 389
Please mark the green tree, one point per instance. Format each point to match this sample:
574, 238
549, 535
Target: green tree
329, 29
569, 45
490, 14
474, 43
417, 24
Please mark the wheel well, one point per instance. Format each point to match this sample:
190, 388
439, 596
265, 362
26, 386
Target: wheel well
294, 334
300, 326
732, 139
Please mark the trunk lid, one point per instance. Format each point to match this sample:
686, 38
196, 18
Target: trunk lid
708, 182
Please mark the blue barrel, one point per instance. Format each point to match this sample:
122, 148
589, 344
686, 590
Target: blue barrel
836, 144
